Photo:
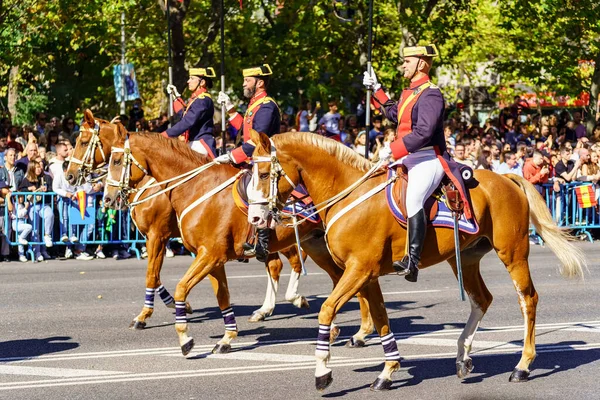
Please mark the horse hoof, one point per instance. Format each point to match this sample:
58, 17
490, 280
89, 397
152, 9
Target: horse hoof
187, 347
304, 303
464, 368
355, 343
519, 375
221, 349
334, 333
256, 316
323, 382
381, 385
137, 325
188, 308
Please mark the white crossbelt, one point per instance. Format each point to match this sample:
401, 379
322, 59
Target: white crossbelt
356, 202
206, 196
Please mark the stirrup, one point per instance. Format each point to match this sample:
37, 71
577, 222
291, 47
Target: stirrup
401, 266
249, 250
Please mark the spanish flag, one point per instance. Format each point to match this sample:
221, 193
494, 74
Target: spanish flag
586, 197
82, 200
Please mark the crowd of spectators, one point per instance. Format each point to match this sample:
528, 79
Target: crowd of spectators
552, 148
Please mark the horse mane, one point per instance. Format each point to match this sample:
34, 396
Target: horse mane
181, 148
338, 150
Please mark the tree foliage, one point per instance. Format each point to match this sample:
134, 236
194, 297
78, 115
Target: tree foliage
65, 49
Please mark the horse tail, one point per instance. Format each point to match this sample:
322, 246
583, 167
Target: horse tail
573, 262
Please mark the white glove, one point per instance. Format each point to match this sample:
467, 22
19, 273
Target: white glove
224, 98
385, 153
370, 80
224, 159
171, 89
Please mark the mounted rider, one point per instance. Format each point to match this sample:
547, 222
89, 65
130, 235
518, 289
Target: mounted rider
262, 115
196, 123
419, 141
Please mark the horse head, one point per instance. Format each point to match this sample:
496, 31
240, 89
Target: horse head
92, 147
124, 172
267, 192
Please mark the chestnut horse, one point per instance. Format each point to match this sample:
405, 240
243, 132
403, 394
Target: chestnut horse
157, 221
210, 223
503, 206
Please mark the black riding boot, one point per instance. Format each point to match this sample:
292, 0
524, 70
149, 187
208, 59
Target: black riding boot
262, 244
417, 228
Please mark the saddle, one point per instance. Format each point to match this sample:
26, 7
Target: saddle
299, 200
440, 207
445, 191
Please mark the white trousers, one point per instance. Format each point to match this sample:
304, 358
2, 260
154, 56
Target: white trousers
425, 172
196, 145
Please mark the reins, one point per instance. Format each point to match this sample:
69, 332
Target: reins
129, 160
277, 172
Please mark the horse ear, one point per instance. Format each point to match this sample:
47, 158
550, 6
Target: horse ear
260, 139
89, 117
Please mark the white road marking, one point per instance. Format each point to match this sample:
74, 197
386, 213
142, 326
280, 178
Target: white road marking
324, 296
479, 344
261, 368
264, 275
55, 372
416, 337
268, 357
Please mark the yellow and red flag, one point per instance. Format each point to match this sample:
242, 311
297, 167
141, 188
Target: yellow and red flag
586, 196
82, 200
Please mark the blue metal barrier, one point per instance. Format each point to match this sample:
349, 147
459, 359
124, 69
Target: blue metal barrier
566, 211
46, 210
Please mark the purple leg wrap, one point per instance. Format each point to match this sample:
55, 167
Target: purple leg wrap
164, 295
149, 302
180, 316
390, 348
323, 337
229, 319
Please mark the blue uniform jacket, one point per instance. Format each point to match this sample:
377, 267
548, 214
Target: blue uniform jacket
198, 120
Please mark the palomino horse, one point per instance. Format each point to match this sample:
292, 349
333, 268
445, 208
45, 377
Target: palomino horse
210, 223
156, 220
503, 205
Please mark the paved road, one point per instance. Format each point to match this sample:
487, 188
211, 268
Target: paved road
60, 340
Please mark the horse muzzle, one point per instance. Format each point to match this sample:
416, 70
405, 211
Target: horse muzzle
259, 215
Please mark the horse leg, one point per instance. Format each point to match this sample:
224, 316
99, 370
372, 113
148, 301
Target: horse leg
155, 247
218, 280
292, 295
347, 287
274, 267
513, 253
201, 266
480, 298
372, 292
366, 324
316, 248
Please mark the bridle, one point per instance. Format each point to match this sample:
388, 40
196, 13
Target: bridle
86, 164
276, 172
128, 160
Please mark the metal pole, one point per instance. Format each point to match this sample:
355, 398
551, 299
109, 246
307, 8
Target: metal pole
168, 8
123, 63
223, 111
369, 69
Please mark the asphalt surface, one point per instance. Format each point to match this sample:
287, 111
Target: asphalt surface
64, 335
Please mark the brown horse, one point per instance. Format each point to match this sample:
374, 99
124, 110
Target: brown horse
157, 221
503, 205
210, 223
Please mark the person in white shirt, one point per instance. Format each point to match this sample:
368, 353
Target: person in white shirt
331, 121
68, 194
510, 165
305, 116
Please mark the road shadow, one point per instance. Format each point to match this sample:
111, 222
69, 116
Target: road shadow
548, 363
31, 348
